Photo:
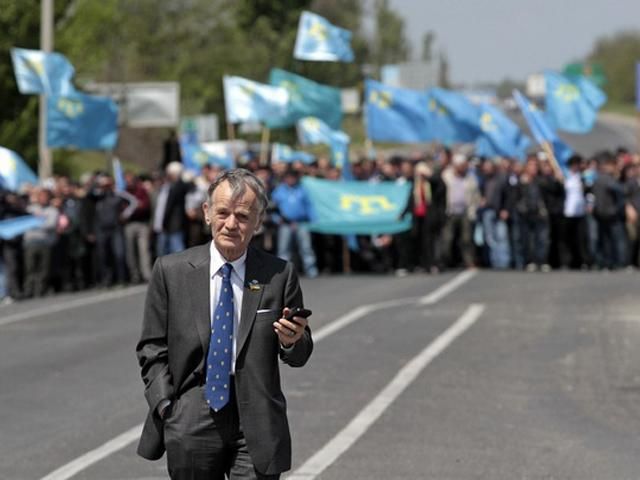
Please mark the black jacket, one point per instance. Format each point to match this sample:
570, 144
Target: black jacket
553, 194
175, 215
609, 198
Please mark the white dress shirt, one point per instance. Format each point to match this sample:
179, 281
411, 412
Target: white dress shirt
574, 202
237, 285
161, 206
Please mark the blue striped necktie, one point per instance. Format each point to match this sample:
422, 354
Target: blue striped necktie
217, 387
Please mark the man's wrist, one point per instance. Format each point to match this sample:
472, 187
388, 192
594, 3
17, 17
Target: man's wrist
287, 348
163, 407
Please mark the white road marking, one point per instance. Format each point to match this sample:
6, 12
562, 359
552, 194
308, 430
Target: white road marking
355, 315
89, 458
441, 292
359, 312
339, 444
69, 470
80, 302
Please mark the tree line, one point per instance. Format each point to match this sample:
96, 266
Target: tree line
194, 42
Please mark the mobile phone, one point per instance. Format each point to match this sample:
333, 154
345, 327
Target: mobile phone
298, 312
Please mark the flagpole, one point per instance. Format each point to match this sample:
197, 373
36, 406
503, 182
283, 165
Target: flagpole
264, 146
231, 131
46, 45
638, 117
231, 137
546, 146
368, 146
346, 255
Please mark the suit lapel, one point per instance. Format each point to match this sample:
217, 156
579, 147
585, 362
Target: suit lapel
198, 286
251, 296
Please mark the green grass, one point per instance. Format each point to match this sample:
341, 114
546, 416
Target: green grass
627, 109
74, 163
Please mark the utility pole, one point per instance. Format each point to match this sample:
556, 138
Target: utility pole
46, 45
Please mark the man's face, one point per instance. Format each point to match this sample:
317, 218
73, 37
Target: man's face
488, 168
290, 179
406, 168
461, 168
532, 168
43, 198
233, 222
606, 167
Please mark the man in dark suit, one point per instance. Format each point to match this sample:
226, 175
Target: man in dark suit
170, 216
213, 332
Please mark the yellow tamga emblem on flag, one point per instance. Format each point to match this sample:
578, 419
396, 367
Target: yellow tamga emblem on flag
69, 107
567, 92
367, 204
381, 99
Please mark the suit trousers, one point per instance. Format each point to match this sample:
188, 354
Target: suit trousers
206, 445
37, 269
138, 248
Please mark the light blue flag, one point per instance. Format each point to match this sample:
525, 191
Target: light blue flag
500, 136
443, 125
313, 131
41, 72
395, 114
306, 99
357, 208
196, 155
319, 40
285, 154
461, 110
12, 227
541, 130
14, 171
249, 101
340, 155
572, 103
118, 175
84, 122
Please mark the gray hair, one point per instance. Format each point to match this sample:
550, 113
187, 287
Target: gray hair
239, 179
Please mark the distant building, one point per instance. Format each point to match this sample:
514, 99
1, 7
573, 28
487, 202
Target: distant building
413, 75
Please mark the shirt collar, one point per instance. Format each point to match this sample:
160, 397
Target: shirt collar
217, 260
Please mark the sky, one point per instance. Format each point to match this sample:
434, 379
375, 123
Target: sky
488, 40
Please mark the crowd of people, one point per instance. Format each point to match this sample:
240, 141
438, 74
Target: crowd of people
467, 212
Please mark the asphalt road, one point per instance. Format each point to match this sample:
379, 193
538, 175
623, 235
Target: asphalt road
545, 384
610, 132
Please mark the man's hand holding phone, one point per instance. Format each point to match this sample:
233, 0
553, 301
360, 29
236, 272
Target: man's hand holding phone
290, 327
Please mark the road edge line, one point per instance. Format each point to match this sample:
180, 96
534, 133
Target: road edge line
95, 455
79, 302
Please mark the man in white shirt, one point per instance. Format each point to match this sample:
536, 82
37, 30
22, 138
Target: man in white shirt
575, 234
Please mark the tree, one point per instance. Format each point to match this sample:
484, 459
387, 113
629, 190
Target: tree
428, 39
618, 56
282, 15
20, 27
391, 45
443, 71
505, 88
194, 42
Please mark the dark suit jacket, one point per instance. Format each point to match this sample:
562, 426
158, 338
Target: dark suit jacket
175, 215
175, 338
